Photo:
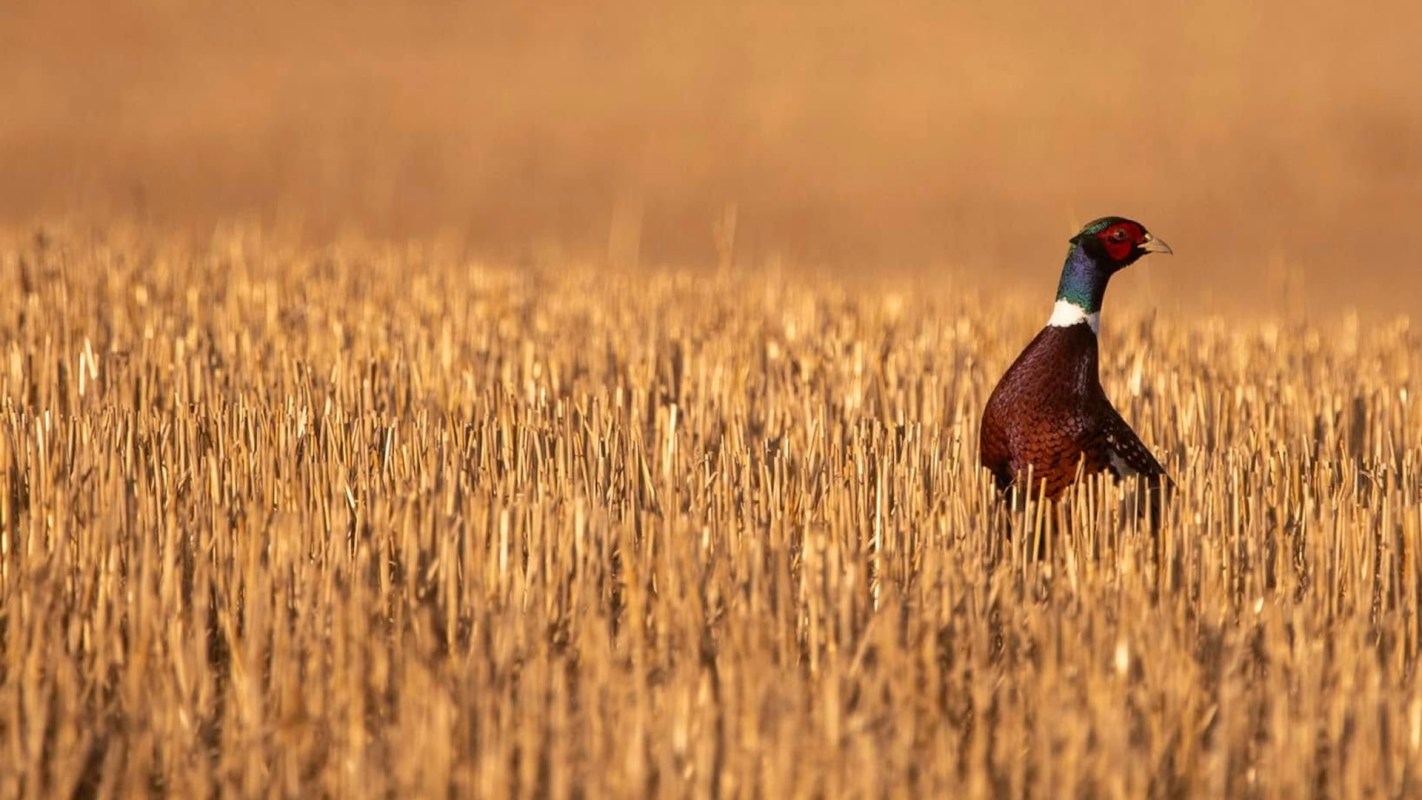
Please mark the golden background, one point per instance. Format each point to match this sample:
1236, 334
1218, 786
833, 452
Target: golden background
385, 412
1274, 145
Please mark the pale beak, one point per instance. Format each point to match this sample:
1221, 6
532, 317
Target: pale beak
1150, 244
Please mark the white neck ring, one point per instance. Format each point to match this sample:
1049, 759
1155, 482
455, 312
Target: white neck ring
1066, 314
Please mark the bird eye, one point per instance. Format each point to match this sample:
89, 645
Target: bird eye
1119, 234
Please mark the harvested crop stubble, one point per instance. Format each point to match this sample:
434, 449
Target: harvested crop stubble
362, 521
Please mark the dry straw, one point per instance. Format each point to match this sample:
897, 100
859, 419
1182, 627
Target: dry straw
368, 521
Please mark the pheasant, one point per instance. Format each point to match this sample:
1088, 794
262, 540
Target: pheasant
1049, 411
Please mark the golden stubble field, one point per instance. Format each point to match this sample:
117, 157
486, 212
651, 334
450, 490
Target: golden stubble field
370, 520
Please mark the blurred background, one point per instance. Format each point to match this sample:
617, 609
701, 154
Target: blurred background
1276, 145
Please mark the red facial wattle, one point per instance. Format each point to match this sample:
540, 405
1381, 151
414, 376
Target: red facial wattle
1121, 239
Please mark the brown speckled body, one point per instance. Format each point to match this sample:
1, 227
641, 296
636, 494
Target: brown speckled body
1049, 412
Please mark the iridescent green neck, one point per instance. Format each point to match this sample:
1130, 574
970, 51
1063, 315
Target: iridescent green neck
1083, 281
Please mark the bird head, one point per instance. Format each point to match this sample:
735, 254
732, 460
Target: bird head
1116, 242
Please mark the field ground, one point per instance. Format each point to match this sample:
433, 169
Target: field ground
373, 521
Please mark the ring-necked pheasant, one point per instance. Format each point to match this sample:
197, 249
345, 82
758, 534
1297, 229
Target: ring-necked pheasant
1049, 411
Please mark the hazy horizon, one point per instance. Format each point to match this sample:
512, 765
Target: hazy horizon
1270, 145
